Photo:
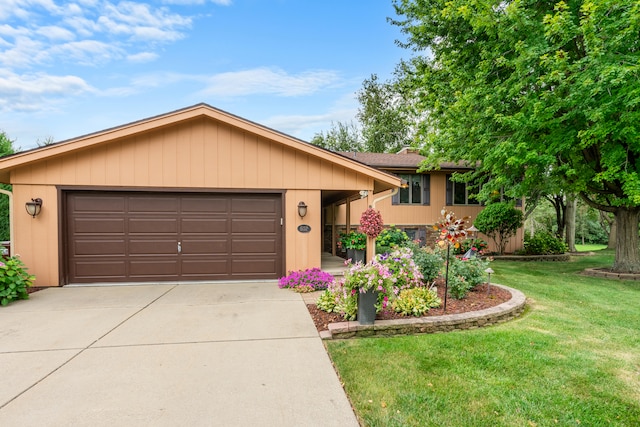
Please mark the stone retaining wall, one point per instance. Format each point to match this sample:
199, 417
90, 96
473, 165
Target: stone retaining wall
428, 325
606, 274
556, 257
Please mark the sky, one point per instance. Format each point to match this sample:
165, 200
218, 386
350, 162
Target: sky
70, 68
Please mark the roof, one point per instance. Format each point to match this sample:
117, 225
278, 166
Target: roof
382, 180
404, 159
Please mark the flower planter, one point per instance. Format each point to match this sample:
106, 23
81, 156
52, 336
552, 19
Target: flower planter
367, 307
356, 255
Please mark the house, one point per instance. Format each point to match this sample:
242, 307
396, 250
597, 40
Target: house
196, 194
418, 207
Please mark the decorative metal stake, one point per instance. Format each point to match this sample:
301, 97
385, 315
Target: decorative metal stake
488, 271
446, 279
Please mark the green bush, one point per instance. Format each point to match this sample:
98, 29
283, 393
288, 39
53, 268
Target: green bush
499, 221
14, 280
543, 243
327, 301
389, 238
464, 275
429, 262
416, 301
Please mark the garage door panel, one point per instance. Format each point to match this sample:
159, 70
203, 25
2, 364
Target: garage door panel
99, 225
154, 268
104, 270
249, 205
266, 268
153, 204
100, 204
247, 247
134, 236
207, 267
153, 225
207, 205
205, 247
204, 225
255, 226
153, 247
99, 247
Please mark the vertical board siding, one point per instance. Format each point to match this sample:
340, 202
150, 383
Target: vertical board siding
200, 153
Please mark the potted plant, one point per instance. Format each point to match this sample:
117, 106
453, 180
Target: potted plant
371, 282
355, 244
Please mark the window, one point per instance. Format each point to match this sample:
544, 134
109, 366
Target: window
417, 193
458, 193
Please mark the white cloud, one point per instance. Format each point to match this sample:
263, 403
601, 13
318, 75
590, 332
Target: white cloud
142, 57
33, 92
273, 81
54, 32
198, 2
88, 52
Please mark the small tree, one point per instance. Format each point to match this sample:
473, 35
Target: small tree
499, 221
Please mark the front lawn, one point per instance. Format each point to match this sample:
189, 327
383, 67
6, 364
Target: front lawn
573, 358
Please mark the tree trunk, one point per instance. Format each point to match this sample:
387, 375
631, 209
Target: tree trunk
627, 252
570, 220
613, 235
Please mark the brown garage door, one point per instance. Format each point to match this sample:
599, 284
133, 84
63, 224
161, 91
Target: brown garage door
141, 237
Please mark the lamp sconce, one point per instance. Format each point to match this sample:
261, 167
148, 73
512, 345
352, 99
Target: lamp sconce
404, 183
302, 209
34, 207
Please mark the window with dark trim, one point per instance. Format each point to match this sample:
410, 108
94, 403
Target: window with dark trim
458, 193
417, 193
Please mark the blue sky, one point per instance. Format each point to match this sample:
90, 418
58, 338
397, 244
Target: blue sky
68, 68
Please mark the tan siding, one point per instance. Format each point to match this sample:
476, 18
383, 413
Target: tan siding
302, 249
37, 238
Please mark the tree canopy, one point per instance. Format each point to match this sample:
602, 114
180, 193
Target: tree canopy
6, 147
533, 91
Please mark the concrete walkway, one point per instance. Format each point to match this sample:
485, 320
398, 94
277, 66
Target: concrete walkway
221, 354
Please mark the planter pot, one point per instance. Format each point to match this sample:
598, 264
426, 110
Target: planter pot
367, 307
356, 255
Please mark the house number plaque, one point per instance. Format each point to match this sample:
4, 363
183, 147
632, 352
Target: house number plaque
304, 228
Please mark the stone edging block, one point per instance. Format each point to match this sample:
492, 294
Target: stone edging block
434, 324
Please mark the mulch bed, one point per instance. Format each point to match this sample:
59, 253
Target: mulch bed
476, 299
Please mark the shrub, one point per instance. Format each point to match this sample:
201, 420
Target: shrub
308, 280
416, 301
428, 261
327, 301
543, 243
499, 221
389, 238
464, 275
14, 280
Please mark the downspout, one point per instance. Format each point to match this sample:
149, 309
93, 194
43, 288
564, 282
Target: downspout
10, 195
403, 184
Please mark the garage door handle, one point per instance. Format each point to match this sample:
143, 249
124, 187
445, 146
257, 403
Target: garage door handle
179, 247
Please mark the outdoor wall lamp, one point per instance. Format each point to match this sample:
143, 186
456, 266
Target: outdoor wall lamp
404, 183
302, 209
34, 207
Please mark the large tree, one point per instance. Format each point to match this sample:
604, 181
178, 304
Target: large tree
6, 147
528, 88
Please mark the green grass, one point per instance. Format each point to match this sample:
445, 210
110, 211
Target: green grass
573, 358
590, 248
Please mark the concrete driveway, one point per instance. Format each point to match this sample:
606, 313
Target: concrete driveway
219, 354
